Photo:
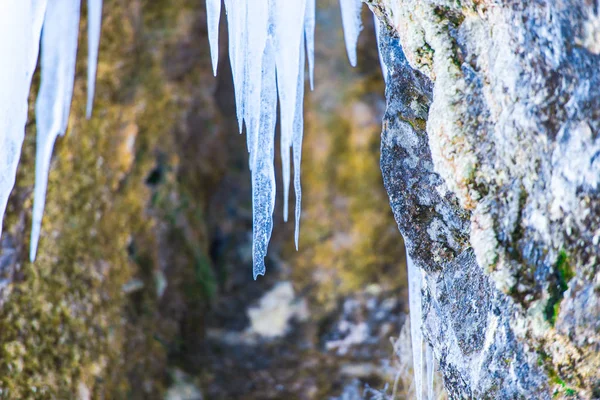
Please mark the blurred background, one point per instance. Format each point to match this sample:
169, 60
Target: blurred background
143, 286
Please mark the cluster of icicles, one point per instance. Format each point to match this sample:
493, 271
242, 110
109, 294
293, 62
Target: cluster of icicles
269, 44
25, 27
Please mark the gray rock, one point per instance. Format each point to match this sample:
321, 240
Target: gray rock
491, 158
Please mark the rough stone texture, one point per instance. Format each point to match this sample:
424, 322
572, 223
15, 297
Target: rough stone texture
491, 159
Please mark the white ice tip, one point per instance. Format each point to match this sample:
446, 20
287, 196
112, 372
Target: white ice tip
352, 24
213, 14
34, 244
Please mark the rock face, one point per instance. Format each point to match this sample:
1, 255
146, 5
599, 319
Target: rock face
491, 158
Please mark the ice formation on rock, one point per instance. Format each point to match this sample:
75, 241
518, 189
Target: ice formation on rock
276, 36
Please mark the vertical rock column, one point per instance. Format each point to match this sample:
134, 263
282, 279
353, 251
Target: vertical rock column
491, 159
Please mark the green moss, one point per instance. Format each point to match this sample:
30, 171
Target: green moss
425, 55
563, 274
450, 14
417, 124
563, 388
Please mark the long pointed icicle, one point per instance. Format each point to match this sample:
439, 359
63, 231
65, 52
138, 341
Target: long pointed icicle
263, 174
15, 77
309, 36
416, 313
236, 18
256, 33
289, 32
94, 28
297, 143
58, 55
351, 22
213, 14
38, 12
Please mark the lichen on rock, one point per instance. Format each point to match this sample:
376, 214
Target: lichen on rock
512, 138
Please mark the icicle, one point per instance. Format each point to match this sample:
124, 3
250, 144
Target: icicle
273, 35
263, 174
255, 33
297, 143
59, 53
414, 300
213, 14
236, 21
430, 363
351, 22
16, 45
38, 11
384, 69
309, 35
289, 29
94, 28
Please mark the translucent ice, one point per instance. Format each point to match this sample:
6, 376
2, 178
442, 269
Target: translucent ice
58, 57
16, 46
352, 25
263, 173
309, 35
273, 36
94, 26
288, 18
213, 14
